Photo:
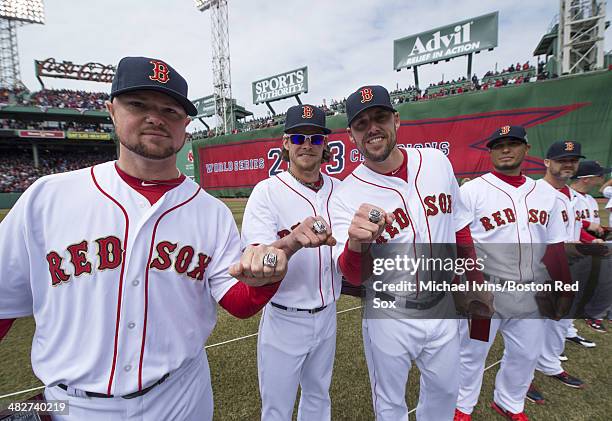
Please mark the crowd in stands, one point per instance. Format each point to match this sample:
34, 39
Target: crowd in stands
17, 171
56, 98
57, 125
66, 98
515, 74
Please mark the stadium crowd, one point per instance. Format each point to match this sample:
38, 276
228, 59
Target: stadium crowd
17, 172
57, 98
66, 98
515, 74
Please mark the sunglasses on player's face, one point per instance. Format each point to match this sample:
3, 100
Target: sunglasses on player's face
299, 139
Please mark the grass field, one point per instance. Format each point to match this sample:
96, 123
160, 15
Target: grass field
234, 371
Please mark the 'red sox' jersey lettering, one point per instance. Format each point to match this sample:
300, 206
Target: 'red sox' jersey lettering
506, 216
110, 256
536, 216
402, 221
436, 204
286, 232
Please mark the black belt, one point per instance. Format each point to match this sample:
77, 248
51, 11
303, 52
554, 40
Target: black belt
418, 305
313, 311
128, 396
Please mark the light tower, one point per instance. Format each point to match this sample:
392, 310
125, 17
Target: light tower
582, 24
222, 78
14, 13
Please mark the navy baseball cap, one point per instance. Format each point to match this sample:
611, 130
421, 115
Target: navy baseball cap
305, 115
365, 98
591, 169
564, 149
143, 73
507, 132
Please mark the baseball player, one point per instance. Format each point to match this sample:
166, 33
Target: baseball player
590, 176
413, 199
122, 265
297, 331
562, 160
509, 208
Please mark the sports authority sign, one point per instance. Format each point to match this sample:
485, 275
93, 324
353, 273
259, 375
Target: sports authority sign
461, 38
281, 86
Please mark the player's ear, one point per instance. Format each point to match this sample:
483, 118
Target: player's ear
351, 138
547, 163
109, 108
527, 148
396, 120
286, 141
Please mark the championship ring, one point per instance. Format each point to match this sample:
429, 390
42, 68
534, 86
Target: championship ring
270, 260
374, 216
319, 227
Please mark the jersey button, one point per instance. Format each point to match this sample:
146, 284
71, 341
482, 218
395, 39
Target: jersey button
127, 367
131, 325
135, 282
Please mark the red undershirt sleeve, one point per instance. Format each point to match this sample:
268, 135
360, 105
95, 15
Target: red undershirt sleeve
585, 224
244, 301
585, 237
466, 250
5, 325
351, 265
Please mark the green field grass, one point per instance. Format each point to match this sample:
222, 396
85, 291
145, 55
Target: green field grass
3, 213
234, 371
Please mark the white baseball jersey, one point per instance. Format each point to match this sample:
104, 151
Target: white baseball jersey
503, 214
587, 208
122, 292
276, 206
573, 225
427, 208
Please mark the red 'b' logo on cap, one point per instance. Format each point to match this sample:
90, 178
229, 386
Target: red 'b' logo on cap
307, 111
569, 146
366, 95
160, 71
504, 130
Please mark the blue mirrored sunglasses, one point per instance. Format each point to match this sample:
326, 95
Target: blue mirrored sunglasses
299, 139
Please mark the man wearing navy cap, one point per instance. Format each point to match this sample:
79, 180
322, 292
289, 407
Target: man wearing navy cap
562, 160
590, 176
297, 332
503, 203
122, 265
401, 196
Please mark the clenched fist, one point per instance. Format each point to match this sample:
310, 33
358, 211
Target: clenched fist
368, 223
312, 232
260, 265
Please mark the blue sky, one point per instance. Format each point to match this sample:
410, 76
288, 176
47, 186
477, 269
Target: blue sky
344, 43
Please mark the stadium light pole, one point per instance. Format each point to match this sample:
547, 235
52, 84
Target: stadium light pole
222, 79
581, 34
14, 13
